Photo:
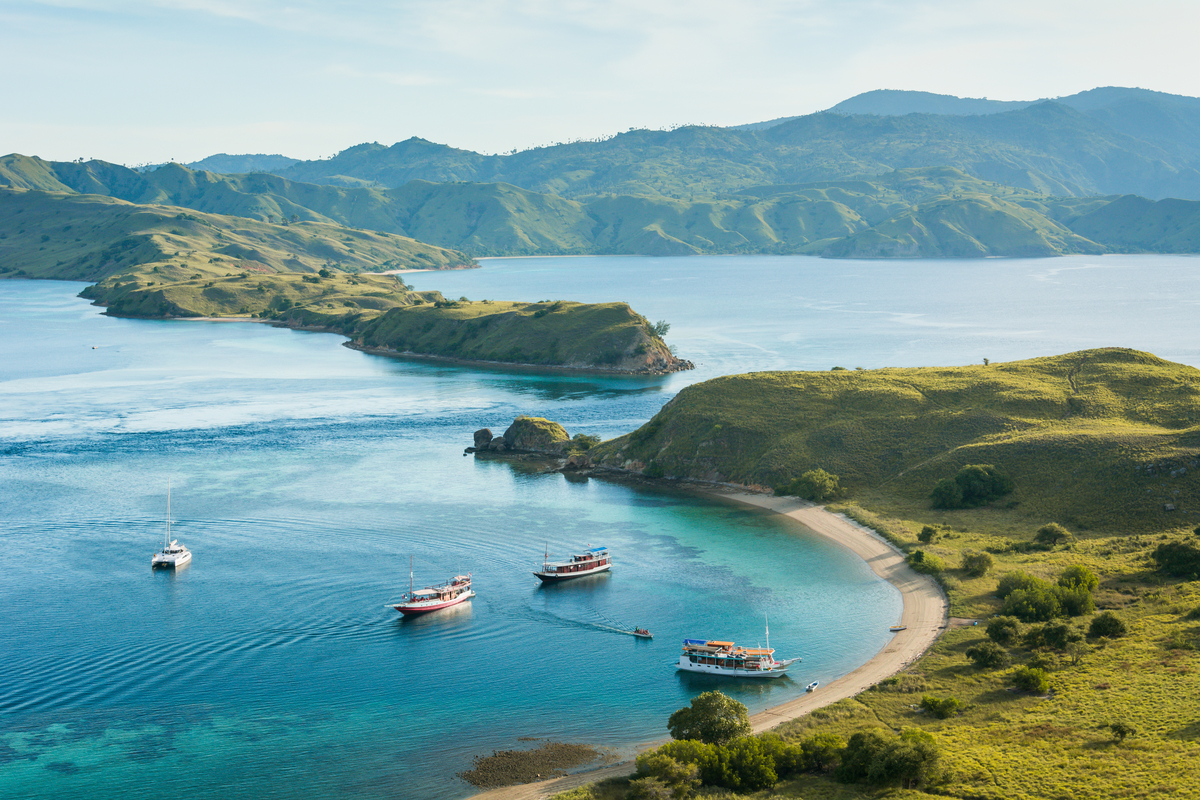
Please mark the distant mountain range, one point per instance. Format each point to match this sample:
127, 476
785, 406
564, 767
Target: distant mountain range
1046, 178
1100, 142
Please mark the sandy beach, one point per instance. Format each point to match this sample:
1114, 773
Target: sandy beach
925, 615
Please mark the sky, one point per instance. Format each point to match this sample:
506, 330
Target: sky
147, 81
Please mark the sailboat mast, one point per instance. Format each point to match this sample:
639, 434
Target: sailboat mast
168, 512
767, 623
410, 576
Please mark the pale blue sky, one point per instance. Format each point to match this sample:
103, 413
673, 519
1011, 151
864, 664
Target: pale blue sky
136, 81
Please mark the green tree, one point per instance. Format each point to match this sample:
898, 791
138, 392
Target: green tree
822, 751
1032, 679
1107, 624
1120, 730
712, 718
1011, 581
690, 751
660, 328
940, 707
1052, 534
928, 535
1076, 651
1079, 576
972, 486
1031, 605
1003, 630
746, 765
978, 564
816, 485
988, 655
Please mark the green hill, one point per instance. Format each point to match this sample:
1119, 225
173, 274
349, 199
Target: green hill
928, 212
1103, 438
89, 237
1108, 142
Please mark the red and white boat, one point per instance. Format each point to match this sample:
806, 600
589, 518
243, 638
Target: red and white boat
432, 598
589, 562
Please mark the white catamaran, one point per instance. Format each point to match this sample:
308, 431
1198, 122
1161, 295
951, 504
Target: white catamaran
173, 553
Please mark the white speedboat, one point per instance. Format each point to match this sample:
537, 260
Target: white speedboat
173, 553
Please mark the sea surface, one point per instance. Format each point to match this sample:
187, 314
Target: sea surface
305, 476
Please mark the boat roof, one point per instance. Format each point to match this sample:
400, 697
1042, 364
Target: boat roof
758, 651
695, 641
596, 550
719, 644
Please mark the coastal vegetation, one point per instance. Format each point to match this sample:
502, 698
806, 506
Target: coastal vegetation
1071, 683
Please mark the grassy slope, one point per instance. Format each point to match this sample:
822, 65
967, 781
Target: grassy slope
1082, 455
604, 335
1102, 459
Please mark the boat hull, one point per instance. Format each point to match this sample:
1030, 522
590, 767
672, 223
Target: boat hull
558, 577
413, 609
726, 672
170, 563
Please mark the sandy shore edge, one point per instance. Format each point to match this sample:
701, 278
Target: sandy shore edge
925, 615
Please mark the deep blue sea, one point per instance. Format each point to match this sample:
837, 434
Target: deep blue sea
305, 475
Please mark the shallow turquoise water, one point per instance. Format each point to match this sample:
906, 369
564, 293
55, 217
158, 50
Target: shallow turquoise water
306, 474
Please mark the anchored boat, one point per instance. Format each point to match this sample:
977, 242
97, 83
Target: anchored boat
590, 562
432, 598
173, 553
726, 658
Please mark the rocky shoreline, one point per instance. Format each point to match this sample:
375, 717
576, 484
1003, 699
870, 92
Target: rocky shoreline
681, 365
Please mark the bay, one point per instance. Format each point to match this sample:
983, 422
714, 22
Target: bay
305, 475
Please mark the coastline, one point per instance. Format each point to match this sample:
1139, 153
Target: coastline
925, 613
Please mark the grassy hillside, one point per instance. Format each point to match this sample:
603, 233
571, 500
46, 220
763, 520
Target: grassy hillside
1101, 441
1097, 438
1111, 147
605, 336
929, 212
88, 237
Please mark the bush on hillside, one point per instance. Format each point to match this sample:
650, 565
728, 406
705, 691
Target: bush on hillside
822, 751
1011, 581
988, 655
1079, 576
680, 778
1003, 630
940, 707
1179, 559
972, 486
1107, 624
978, 564
926, 563
872, 756
1052, 534
816, 485
928, 535
1032, 679
1056, 635
1031, 599
1032, 605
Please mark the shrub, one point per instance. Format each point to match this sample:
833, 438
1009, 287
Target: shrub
1056, 635
928, 535
1180, 559
1051, 534
942, 708
1003, 630
1047, 662
988, 655
1121, 729
682, 779
816, 485
1079, 576
745, 765
909, 759
822, 751
1011, 581
926, 563
1075, 601
1032, 679
974, 485
978, 564
1107, 624
712, 718
649, 789
1031, 605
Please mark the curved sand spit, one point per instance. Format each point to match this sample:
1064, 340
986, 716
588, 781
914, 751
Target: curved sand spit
925, 613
